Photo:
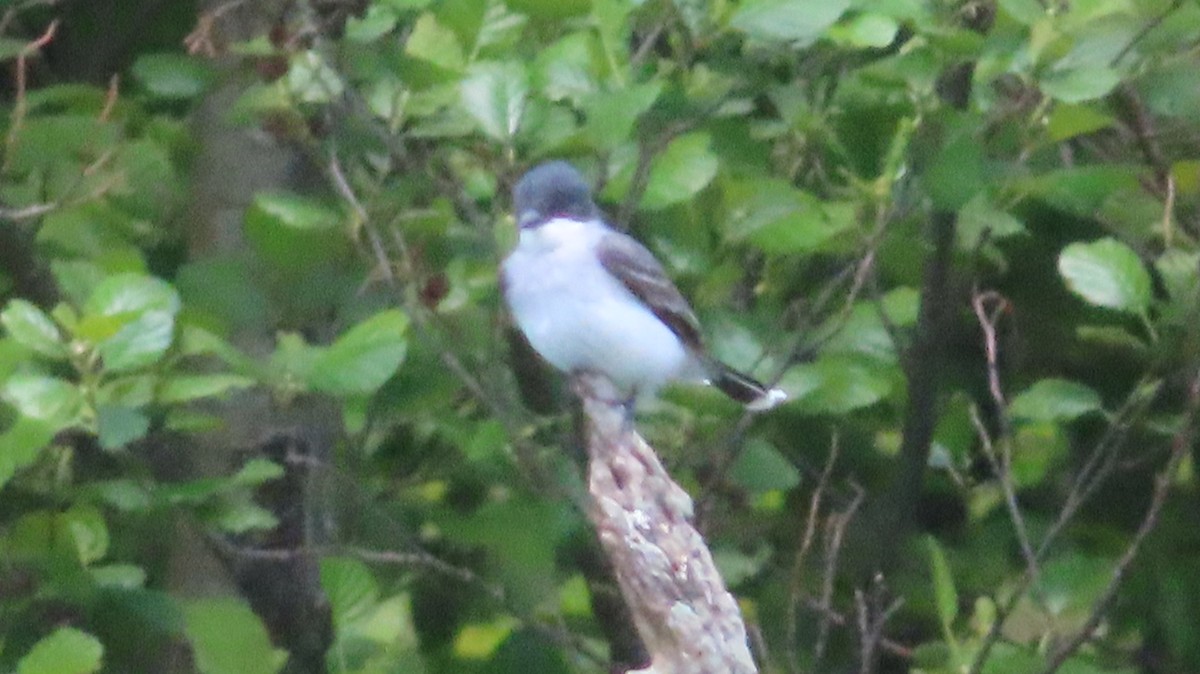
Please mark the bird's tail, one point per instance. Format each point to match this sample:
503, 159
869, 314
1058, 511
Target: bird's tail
744, 388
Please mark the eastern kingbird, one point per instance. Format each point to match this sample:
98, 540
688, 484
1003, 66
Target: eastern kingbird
589, 298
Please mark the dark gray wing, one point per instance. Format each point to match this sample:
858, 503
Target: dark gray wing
635, 267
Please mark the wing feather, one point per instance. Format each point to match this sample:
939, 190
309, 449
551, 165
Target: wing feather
635, 267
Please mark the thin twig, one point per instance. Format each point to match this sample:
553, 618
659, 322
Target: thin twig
1003, 473
200, 40
891, 646
646, 45
27, 212
836, 530
1144, 31
1094, 473
872, 618
1002, 465
110, 97
860, 272
21, 106
426, 322
1181, 444
795, 585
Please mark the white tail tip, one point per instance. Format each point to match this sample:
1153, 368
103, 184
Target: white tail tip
772, 398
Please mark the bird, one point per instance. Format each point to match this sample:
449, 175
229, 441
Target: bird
589, 298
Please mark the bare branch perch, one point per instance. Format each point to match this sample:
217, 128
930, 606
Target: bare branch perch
689, 622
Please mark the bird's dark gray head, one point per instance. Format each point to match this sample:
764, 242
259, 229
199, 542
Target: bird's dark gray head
552, 190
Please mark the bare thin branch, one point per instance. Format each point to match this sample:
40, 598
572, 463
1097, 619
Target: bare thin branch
835, 534
21, 106
1181, 444
1001, 465
872, 617
795, 585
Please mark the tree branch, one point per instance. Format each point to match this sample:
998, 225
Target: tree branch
921, 365
689, 622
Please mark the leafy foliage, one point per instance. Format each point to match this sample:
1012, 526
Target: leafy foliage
963, 236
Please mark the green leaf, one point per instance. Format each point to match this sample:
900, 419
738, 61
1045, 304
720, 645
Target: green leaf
494, 96
21, 444
294, 232
228, 638
1037, 448
687, 166
186, 388
256, 472
1111, 337
779, 218
736, 566
66, 651
374, 24
132, 293
1007, 658
866, 31
837, 384
88, 533
13, 357
550, 10
1106, 273
292, 362
761, 467
171, 75
361, 360
567, 69
435, 43
957, 171
1082, 190
351, 589
863, 332
48, 141
239, 515
31, 327
980, 218
934, 656
1080, 84
480, 641
1072, 581
798, 21
126, 495
311, 79
1069, 121
521, 537
944, 593
1027, 12
1178, 270
139, 343
293, 211
45, 398
405, 5
806, 230
611, 116
1186, 174
118, 576
132, 391
119, 425
1173, 90
1055, 400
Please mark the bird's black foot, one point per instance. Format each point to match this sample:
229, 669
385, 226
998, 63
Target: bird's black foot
628, 407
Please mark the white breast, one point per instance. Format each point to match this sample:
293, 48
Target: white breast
578, 317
